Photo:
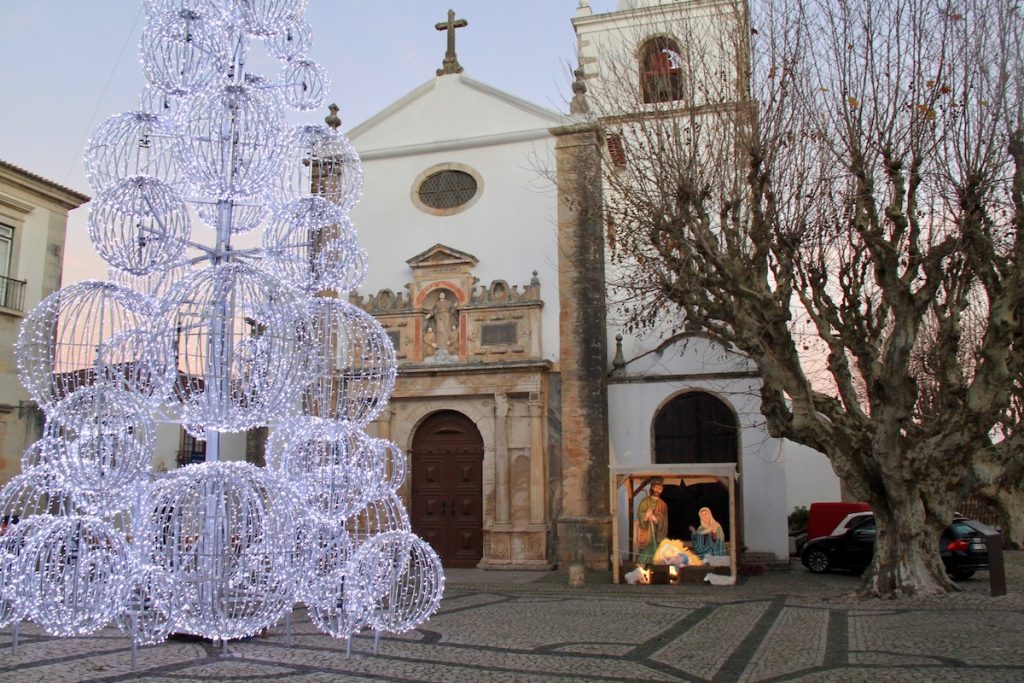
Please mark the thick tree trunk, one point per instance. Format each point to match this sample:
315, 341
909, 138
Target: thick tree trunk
906, 561
1010, 505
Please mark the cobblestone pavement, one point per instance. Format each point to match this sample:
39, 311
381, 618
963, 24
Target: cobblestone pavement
517, 626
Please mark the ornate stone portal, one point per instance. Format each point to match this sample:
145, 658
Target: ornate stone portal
474, 350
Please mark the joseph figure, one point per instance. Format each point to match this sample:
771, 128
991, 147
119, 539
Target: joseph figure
652, 522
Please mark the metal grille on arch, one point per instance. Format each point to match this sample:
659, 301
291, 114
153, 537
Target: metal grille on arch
192, 329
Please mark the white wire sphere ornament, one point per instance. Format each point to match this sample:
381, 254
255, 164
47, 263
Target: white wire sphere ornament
320, 161
140, 362
330, 464
241, 347
379, 516
75, 569
247, 213
226, 532
341, 606
153, 100
324, 549
102, 441
267, 17
38, 454
344, 265
13, 580
389, 464
229, 140
358, 368
182, 51
130, 144
34, 492
139, 225
292, 43
415, 581
12, 542
306, 242
304, 84
151, 605
39, 491
64, 341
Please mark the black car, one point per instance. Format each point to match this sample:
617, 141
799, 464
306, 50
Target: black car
962, 546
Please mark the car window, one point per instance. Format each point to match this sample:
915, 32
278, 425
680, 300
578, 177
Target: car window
960, 529
866, 524
865, 531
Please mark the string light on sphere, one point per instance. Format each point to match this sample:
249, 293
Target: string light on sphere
240, 347
135, 143
320, 161
330, 463
358, 372
103, 439
153, 285
338, 263
415, 582
305, 84
183, 51
153, 600
226, 532
265, 18
291, 43
307, 241
139, 225
61, 339
75, 569
241, 116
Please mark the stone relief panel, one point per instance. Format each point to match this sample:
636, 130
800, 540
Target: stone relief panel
443, 316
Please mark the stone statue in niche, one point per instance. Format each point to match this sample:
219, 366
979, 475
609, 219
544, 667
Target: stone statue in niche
441, 336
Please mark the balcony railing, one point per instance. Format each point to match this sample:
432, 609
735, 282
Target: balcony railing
12, 293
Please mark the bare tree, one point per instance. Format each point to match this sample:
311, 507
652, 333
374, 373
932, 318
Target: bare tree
836, 188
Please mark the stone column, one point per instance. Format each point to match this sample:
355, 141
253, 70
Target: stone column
584, 524
538, 466
502, 494
384, 422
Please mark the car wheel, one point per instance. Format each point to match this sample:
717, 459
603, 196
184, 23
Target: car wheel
961, 574
817, 561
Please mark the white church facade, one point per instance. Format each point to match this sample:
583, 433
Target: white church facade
477, 270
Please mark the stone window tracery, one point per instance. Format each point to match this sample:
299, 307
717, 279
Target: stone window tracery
447, 189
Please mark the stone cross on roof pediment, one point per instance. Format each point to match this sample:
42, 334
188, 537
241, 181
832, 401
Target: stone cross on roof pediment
441, 255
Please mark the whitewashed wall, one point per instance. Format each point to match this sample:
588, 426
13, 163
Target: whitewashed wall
510, 229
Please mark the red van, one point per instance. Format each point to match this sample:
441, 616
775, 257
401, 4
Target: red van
822, 518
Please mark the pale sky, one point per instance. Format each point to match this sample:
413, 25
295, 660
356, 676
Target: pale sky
68, 65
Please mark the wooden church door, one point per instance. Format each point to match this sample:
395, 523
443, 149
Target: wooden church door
447, 487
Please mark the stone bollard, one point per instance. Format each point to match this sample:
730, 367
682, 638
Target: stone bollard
577, 575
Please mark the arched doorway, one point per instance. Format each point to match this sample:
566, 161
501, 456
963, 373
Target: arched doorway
447, 487
695, 427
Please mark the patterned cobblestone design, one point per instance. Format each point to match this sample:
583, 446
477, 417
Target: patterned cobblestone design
519, 626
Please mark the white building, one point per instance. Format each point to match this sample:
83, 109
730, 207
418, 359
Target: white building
460, 206
33, 222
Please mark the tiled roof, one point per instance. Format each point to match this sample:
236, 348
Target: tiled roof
38, 178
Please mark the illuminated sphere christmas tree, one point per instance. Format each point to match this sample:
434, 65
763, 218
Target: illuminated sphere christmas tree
191, 328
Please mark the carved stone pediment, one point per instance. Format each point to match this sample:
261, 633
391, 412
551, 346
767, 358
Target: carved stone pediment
441, 255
